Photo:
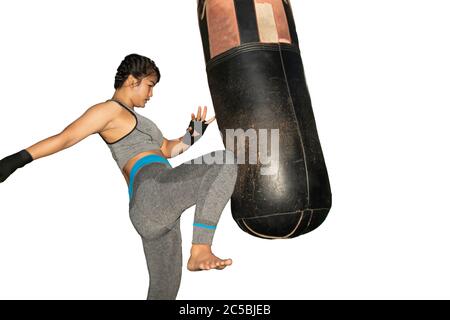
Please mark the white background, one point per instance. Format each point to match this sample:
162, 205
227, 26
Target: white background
378, 74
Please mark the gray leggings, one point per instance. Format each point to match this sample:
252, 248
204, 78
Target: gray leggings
160, 196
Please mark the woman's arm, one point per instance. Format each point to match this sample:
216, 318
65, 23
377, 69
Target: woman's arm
195, 130
93, 120
173, 148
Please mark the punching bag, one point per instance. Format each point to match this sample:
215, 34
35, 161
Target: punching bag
261, 101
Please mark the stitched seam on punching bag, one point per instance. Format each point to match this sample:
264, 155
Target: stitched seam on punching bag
284, 213
309, 221
298, 129
272, 237
248, 47
251, 46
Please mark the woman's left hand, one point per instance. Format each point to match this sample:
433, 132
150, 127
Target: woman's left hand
197, 126
201, 116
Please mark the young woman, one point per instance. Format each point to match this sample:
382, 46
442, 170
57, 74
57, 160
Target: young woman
158, 193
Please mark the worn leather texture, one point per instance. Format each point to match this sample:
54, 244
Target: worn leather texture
258, 86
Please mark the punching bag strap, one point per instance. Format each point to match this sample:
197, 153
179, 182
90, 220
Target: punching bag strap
204, 10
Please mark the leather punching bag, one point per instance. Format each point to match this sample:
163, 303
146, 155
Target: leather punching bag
257, 82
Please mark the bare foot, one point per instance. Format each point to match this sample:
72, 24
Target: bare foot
202, 258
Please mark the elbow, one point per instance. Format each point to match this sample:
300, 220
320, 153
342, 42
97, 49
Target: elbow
167, 153
172, 152
173, 148
65, 141
166, 148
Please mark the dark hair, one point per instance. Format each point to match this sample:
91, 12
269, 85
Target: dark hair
136, 65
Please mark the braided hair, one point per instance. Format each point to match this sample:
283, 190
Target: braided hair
136, 65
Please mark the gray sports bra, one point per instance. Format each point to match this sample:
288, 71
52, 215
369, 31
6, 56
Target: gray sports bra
145, 136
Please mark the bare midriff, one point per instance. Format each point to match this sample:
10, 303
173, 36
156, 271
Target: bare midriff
127, 169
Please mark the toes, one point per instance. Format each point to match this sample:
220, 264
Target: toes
222, 264
218, 264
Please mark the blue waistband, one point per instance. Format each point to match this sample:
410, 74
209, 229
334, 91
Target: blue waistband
151, 158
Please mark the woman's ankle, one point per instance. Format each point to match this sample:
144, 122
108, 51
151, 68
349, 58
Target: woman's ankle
200, 247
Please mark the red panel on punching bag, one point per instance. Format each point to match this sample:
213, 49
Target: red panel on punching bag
263, 107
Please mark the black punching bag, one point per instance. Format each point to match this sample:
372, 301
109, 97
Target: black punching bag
258, 88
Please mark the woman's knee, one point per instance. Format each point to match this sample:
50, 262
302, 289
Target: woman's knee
155, 231
223, 162
147, 227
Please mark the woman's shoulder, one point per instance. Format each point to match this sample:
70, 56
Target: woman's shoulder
107, 107
108, 104
106, 111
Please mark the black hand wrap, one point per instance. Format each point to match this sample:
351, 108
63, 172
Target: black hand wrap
195, 132
11, 163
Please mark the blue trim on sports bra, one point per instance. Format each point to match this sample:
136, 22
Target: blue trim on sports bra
151, 158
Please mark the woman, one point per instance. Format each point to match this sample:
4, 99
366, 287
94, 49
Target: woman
158, 193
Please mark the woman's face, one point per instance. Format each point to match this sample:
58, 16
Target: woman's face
144, 91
